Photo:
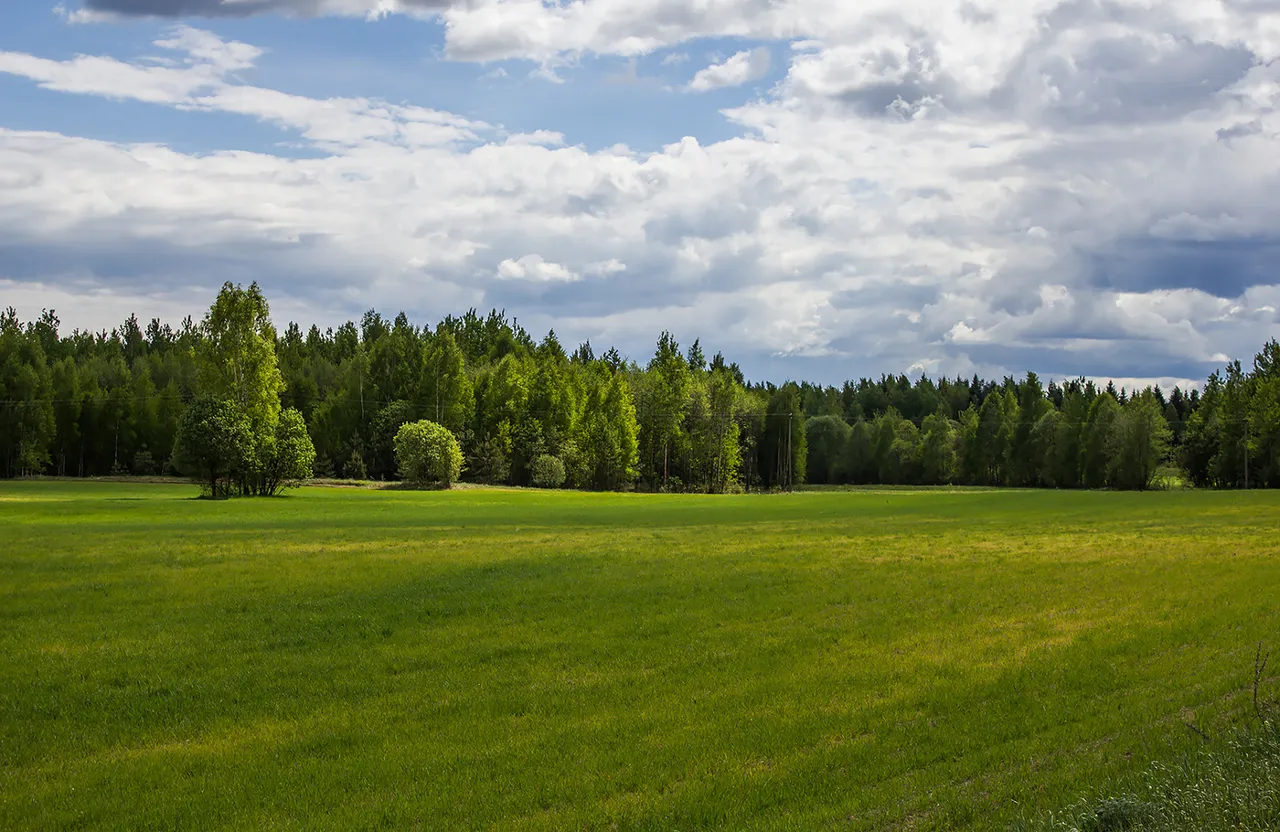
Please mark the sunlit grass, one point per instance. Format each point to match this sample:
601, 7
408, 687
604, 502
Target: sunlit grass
347, 658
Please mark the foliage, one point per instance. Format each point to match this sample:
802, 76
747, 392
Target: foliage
827, 437
428, 453
1138, 443
89, 403
290, 457
548, 471
214, 444
26, 414
237, 355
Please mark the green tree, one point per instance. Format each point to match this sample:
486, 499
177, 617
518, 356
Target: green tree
1265, 428
607, 439
26, 412
1138, 443
827, 437
1026, 462
1203, 436
289, 456
446, 393
938, 450
991, 441
428, 452
722, 432
383, 441
664, 404
1234, 430
897, 448
784, 448
858, 464
1067, 453
213, 445
1095, 452
66, 412
238, 355
1044, 439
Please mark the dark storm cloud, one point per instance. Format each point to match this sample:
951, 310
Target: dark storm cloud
123, 266
1240, 131
1223, 268
219, 8
1122, 358
1124, 80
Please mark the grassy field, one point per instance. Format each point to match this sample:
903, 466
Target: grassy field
346, 659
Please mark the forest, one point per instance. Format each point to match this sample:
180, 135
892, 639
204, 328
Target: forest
531, 412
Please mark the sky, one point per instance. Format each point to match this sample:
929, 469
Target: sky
821, 189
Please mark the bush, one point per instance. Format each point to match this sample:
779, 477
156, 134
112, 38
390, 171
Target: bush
548, 471
427, 452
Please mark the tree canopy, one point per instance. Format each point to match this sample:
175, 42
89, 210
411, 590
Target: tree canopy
287, 404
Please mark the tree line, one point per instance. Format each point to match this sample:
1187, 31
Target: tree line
248, 409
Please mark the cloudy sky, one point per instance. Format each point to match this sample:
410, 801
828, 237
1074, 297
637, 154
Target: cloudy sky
820, 188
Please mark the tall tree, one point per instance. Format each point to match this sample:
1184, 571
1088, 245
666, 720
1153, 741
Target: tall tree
26, 412
447, 396
1095, 459
1138, 443
238, 355
664, 404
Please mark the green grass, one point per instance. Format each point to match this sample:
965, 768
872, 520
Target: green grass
351, 659
1229, 785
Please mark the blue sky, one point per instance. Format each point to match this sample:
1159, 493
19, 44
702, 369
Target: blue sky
820, 189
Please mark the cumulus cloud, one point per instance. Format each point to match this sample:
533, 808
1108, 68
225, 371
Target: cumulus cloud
246, 8
740, 69
533, 268
959, 186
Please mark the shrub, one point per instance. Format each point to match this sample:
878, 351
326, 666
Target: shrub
548, 471
427, 452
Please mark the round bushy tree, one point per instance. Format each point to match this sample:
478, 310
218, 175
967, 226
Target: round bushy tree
213, 445
548, 471
427, 452
290, 457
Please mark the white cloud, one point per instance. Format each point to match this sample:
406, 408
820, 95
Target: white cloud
740, 69
82, 16
962, 187
204, 81
545, 138
533, 268
607, 267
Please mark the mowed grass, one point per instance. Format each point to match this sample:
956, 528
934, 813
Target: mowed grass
485, 659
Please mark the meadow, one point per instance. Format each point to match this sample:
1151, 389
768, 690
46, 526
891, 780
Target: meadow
501, 659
